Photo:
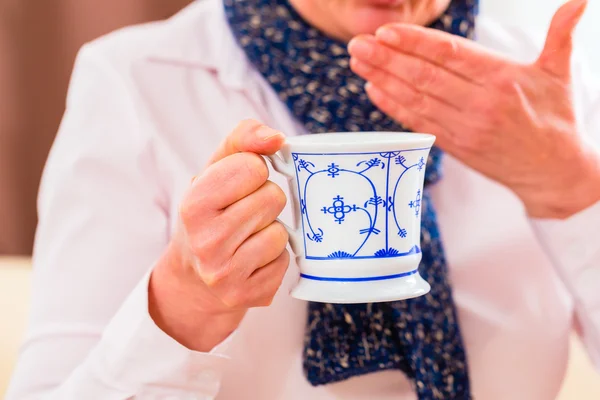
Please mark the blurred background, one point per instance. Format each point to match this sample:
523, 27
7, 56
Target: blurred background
38, 44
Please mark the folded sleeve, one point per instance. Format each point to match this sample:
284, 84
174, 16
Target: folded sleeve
573, 244
103, 223
574, 247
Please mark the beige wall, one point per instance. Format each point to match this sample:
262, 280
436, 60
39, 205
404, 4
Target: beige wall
38, 44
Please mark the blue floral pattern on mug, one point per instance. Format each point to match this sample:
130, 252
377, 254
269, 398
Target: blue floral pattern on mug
360, 205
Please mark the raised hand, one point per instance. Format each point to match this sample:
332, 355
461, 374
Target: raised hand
513, 122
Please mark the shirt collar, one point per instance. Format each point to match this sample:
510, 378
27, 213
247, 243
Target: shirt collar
205, 41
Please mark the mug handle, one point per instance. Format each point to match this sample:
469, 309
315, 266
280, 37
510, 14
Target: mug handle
287, 170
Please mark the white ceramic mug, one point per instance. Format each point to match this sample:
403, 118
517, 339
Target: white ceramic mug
357, 208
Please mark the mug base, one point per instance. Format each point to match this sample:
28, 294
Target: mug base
374, 291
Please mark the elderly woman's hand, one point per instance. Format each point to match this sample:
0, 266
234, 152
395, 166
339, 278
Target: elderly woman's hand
229, 252
514, 123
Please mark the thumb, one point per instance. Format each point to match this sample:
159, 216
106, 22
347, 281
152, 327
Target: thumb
249, 136
556, 56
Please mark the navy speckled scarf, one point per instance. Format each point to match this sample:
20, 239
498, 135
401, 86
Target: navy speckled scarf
421, 336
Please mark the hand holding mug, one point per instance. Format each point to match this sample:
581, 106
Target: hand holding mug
229, 252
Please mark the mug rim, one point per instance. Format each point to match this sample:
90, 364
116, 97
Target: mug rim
355, 140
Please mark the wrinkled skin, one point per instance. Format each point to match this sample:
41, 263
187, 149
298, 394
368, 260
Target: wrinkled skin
228, 253
512, 122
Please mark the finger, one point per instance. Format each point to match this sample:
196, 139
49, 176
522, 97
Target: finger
409, 119
258, 250
252, 214
224, 183
256, 291
215, 239
261, 248
249, 136
461, 56
421, 74
556, 55
406, 92
264, 283
411, 99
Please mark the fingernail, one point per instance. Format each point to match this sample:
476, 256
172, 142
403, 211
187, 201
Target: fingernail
266, 133
581, 6
360, 47
373, 92
359, 67
574, 9
388, 35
